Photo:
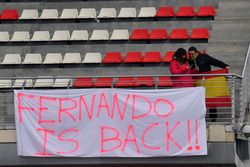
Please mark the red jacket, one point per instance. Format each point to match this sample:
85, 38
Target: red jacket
181, 81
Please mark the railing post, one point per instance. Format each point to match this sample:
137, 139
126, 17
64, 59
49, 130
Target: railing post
233, 99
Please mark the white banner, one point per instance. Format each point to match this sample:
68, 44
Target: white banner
111, 122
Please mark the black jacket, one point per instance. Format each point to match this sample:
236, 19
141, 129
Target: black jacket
204, 62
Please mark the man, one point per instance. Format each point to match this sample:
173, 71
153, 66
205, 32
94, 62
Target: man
202, 62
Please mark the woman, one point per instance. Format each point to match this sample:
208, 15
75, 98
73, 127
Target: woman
179, 65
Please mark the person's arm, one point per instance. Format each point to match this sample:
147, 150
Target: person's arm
216, 62
175, 68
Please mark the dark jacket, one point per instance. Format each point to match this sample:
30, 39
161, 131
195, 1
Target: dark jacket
204, 63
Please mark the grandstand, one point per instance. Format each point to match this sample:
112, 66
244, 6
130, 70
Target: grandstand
128, 44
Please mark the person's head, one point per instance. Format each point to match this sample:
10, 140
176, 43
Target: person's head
180, 55
192, 52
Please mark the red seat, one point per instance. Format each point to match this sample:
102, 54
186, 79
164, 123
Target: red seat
133, 57
168, 57
186, 11
125, 82
200, 33
205, 11
152, 57
139, 34
112, 57
181, 33
158, 34
83, 83
104, 82
9, 14
165, 82
165, 11
145, 81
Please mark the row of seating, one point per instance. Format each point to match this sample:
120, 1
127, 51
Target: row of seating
90, 57
87, 82
117, 34
91, 13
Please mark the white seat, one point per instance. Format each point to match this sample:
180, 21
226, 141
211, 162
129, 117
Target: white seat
29, 14
147, 12
53, 58
44, 81
60, 82
92, 58
49, 14
41, 36
12, 59
20, 36
100, 35
120, 35
87, 13
32, 58
72, 58
4, 36
79, 35
69, 14
127, 13
61, 35
19, 83
5, 83
107, 13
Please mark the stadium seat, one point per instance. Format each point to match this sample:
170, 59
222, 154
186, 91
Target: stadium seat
61, 35
112, 57
165, 81
200, 33
49, 14
53, 58
44, 81
168, 57
29, 14
69, 14
107, 13
4, 36
20, 83
72, 58
179, 34
20, 36
99, 35
41, 36
165, 11
60, 82
205, 11
83, 83
119, 34
185, 11
147, 12
104, 82
12, 59
79, 35
145, 81
5, 83
32, 58
158, 34
139, 34
92, 58
87, 13
125, 82
152, 57
9, 14
127, 13
133, 57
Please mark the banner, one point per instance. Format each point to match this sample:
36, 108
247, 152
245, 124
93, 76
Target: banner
110, 122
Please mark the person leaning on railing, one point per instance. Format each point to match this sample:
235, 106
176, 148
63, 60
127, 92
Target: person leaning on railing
179, 65
201, 63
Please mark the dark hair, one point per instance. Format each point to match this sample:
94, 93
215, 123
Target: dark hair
192, 48
178, 55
